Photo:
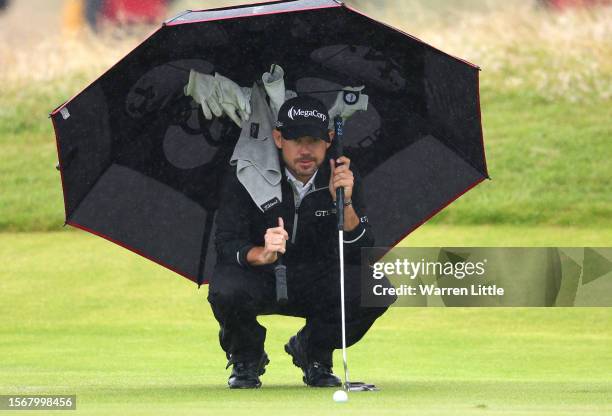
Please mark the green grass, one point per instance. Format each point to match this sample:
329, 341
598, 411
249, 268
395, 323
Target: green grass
434, 235
83, 316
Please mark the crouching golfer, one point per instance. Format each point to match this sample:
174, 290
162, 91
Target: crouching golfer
303, 228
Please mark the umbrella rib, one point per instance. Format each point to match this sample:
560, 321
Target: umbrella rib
204, 247
172, 19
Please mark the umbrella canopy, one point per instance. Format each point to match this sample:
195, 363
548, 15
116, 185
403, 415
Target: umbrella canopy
141, 166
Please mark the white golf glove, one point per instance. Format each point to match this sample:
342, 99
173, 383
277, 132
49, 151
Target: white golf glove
274, 83
235, 101
202, 88
348, 102
218, 95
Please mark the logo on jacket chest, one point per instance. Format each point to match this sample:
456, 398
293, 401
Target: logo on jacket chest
324, 213
266, 206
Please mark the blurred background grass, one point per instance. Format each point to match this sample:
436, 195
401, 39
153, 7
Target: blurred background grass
546, 91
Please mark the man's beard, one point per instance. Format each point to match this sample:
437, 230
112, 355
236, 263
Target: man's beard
307, 171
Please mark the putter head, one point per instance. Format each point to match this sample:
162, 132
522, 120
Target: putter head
359, 386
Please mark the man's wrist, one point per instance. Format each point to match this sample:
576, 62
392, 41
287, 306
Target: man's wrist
347, 203
351, 219
267, 257
258, 256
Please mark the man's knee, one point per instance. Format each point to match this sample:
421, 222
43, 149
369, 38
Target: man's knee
233, 288
355, 311
227, 300
226, 289
378, 311
357, 299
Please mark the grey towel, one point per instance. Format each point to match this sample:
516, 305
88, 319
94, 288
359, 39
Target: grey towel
256, 156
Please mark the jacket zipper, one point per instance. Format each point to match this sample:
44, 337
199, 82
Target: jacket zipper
297, 208
295, 220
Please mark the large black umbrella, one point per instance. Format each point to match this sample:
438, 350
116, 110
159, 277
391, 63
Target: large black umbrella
140, 164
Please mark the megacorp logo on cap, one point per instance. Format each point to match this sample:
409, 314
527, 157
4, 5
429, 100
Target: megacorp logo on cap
293, 112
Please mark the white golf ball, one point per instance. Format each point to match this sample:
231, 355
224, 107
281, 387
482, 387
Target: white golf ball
340, 396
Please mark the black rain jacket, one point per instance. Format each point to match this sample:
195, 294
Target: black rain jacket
312, 226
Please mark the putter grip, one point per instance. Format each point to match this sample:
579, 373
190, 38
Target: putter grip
280, 271
340, 208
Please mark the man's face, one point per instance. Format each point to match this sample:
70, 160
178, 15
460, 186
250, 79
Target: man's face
302, 156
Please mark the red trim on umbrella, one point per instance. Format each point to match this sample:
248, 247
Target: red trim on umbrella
410, 36
253, 15
134, 250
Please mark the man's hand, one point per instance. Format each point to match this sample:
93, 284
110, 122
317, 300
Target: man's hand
341, 177
275, 242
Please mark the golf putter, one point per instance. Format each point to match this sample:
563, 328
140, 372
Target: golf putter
280, 272
280, 276
360, 386
348, 385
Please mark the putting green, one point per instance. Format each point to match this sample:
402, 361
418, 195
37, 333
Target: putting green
82, 316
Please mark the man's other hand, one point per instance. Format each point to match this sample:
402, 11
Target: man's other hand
341, 177
275, 242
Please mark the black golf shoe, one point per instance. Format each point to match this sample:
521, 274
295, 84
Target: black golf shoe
316, 374
245, 374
